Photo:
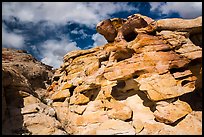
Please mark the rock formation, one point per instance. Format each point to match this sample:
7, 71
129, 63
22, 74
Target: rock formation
24, 84
147, 84
146, 80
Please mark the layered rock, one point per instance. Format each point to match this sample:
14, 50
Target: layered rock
147, 80
24, 84
146, 84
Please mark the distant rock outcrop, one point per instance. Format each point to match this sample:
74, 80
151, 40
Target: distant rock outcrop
24, 84
147, 80
147, 84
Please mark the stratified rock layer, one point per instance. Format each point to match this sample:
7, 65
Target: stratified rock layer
147, 84
147, 80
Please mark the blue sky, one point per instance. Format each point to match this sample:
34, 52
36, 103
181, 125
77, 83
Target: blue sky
48, 30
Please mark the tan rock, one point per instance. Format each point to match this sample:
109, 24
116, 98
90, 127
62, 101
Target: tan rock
160, 87
147, 19
61, 94
147, 62
173, 38
138, 125
190, 125
62, 113
28, 109
30, 100
145, 43
85, 87
157, 128
190, 51
91, 118
119, 111
41, 124
171, 112
116, 88
78, 109
180, 24
141, 113
78, 53
182, 74
66, 86
94, 106
79, 99
115, 127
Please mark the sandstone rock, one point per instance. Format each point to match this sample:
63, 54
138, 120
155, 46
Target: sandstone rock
190, 51
78, 109
157, 129
171, 112
91, 118
145, 43
60, 94
117, 88
79, 99
119, 111
190, 125
115, 127
107, 29
141, 113
180, 24
41, 124
146, 80
25, 81
28, 109
160, 87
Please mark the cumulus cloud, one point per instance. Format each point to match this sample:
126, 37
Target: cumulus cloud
54, 50
87, 13
98, 40
12, 40
80, 32
184, 9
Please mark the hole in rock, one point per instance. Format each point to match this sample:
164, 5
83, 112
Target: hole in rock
194, 62
60, 100
196, 39
71, 90
122, 55
184, 82
92, 93
174, 70
131, 36
121, 84
119, 95
56, 78
194, 99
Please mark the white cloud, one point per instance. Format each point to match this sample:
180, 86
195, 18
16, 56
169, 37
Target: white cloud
98, 40
87, 13
53, 51
12, 40
184, 9
80, 32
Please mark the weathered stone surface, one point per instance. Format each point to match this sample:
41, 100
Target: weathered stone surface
145, 63
41, 124
190, 125
24, 87
115, 127
78, 99
60, 94
171, 112
119, 111
161, 87
146, 80
180, 24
